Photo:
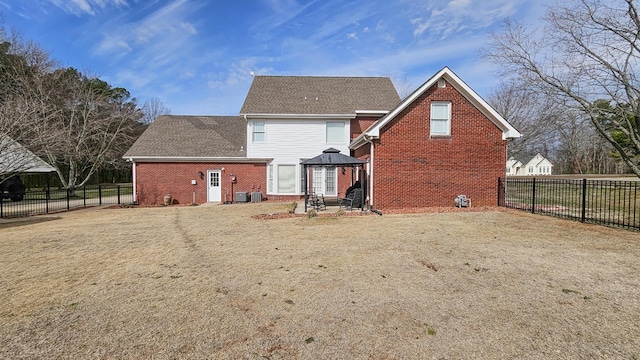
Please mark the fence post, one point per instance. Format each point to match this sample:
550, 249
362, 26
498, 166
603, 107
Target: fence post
584, 200
118, 194
47, 197
68, 199
499, 192
533, 197
100, 194
84, 195
1, 210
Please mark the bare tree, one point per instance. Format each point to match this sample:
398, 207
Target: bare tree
93, 123
588, 50
403, 85
531, 112
151, 109
23, 104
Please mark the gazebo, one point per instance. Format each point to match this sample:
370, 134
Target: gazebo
331, 157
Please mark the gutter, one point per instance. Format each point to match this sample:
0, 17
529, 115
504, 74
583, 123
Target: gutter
197, 159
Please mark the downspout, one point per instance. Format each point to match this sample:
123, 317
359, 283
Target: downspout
370, 184
135, 180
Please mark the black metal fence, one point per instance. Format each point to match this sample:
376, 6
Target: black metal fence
49, 200
604, 202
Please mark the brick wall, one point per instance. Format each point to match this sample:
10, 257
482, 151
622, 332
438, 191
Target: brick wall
155, 180
360, 124
413, 169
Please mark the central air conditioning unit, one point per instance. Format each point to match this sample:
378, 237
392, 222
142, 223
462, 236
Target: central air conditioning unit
242, 196
256, 196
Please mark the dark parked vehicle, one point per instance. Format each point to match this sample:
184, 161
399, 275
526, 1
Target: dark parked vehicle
12, 188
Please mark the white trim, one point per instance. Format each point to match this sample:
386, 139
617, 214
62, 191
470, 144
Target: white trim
197, 159
134, 178
508, 131
370, 173
448, 119
299, 116
372, 112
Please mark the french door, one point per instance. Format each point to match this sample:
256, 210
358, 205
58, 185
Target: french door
325, 181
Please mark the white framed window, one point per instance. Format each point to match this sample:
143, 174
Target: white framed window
335, 132
258, 131
270, 179
287, 179
440, 122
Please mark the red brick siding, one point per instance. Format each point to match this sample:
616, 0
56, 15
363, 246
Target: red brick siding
155, 180
414, 170
360, 124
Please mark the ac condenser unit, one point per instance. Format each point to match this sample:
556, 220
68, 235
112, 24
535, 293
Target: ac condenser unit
242, 196
256, 196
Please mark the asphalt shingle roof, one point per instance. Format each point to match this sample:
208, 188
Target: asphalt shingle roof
192, 136
319, 95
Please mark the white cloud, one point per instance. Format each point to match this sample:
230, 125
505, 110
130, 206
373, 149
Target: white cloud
90, 7
352, 36
111, 44
461, 16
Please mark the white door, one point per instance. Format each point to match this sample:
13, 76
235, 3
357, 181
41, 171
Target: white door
214, 188
325, 181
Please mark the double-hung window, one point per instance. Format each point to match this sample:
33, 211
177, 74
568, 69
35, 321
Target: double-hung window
440, 124
258, 131
335, 132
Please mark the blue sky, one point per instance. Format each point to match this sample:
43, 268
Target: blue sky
197, 56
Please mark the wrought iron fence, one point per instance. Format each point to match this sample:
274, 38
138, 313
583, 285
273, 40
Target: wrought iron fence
604, 202
49, 201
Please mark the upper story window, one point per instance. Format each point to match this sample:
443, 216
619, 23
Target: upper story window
258, 131
335, 132
440, 124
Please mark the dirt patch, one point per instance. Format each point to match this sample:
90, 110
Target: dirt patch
212, 282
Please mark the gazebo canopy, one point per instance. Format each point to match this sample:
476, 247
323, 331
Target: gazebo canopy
332, 157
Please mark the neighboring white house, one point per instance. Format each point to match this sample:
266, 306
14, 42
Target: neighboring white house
15, 158
529, 166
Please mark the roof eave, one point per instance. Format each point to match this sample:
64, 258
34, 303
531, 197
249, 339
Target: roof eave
209, 159
297, 116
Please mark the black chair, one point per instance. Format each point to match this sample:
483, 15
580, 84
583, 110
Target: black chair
353, 198
316, 201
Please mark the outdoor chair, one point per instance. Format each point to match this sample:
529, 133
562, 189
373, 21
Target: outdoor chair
316, 202
353, 198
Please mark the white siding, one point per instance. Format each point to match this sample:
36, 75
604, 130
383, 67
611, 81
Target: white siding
289, 141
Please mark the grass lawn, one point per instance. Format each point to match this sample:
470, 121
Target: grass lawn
210, 282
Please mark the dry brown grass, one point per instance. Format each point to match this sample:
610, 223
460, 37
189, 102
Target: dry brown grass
211, 282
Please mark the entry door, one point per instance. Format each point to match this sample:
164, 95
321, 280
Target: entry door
214, 190
325, 181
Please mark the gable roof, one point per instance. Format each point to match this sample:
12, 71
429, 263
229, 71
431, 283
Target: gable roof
199, 137
307, 95
15, 158
529, 158
373, 131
